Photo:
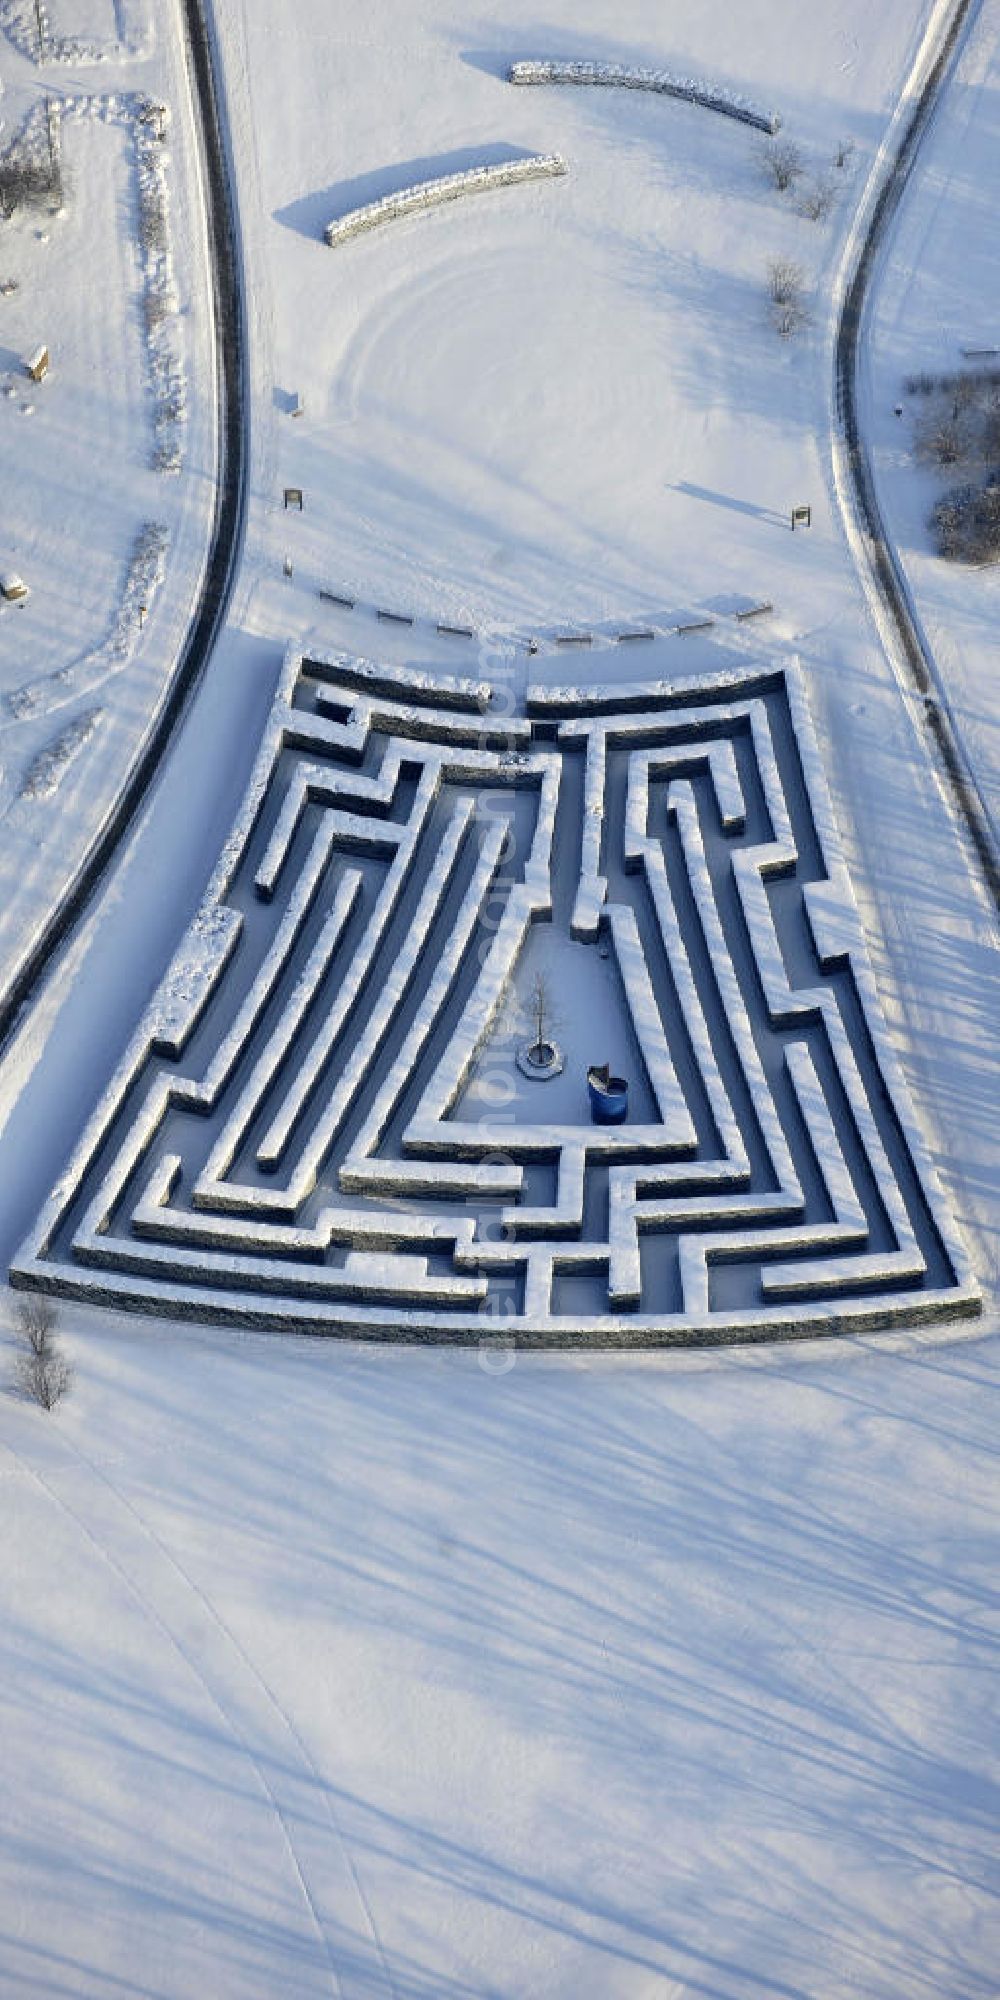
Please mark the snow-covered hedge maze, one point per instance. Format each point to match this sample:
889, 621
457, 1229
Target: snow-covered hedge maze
299, 1135
624, 76
450, 187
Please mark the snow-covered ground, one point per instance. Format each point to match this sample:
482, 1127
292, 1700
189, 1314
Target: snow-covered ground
424, 1674
377, 1673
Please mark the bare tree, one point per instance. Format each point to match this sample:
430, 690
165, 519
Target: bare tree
29, 180
991, 435
788, 318
784, 280
966, 524
942, 439
986, 526
781, 161
541, 1013
35, 1321
965, 394
815, 198
844, 152
43, 1378
945, 524
41, 1371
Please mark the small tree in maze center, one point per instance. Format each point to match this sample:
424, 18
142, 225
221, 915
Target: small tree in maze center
542, 1056
540, 1008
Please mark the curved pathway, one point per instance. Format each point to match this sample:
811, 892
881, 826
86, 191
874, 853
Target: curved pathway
912, 648
226, 544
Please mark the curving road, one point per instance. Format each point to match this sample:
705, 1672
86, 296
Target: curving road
228, 524
923, 675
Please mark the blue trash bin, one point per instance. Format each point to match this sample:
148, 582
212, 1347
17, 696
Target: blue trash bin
608, 1096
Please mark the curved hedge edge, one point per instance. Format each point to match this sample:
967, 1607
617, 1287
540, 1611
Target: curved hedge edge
626, 77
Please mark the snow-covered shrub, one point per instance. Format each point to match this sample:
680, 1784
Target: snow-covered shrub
41, 1371
28, 182
41, 695
429, 194
944, 438
785, 290
144, 576
29, 26
990, 435
153, 221
159, 295
784, 280
789, 317
47, 771
965, 524
624, 76
31, 170
781, 162
814, 198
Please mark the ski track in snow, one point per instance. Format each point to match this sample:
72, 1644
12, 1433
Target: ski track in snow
328, 1879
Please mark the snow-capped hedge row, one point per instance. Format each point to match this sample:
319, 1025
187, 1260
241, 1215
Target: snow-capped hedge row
429, 1326
624, 76
348, 670
47, 770
430, 194
49, 692
459, 764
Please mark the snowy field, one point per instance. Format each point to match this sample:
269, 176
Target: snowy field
455, 1676
378, 1673
563, 402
